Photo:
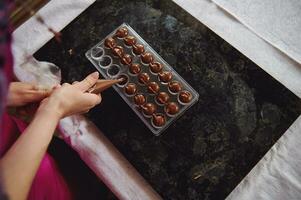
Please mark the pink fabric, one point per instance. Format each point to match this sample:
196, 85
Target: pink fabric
48, 183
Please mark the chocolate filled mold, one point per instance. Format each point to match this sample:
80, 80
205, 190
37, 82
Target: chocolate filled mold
185, 97
125, 80
138, 49
126, 59
130, 40
165, 76
134, 68
153, 88
121, 32
143, 78
162, 98
130, 89
118, 51
139, 99
155, 67
147, 57
158, 120
105, 61
171, 109
113, 71
148, 109
150, 86
174, 87
110, 43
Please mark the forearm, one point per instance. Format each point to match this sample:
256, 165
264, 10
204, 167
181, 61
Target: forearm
20, 164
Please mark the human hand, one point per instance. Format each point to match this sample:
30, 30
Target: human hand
20, 94
72, 99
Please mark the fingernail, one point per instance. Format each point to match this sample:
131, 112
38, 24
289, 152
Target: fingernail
95, 75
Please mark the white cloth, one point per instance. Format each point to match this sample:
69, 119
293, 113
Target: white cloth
278, 65
278, 174
276, 21
32, 35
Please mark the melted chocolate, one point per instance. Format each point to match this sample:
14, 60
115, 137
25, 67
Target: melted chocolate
130, 89
147, 57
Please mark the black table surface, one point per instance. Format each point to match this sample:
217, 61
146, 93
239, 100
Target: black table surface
241, 113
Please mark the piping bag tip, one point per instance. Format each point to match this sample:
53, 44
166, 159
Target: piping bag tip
104, 84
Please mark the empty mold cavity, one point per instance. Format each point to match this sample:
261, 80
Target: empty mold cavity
113, 71
97, 53
125, 80
105, 61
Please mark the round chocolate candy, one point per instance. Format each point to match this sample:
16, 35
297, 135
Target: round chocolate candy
110, 42
139, 99
171, 108
147, 57
185, 97
118, 51
135, 68
162, 98
174, 86
138, 49
153, 88
124, 79
130, 89
149, 109
130, 40
155, 67
122, 32
143, 78
165, 76
126, 59
158, 120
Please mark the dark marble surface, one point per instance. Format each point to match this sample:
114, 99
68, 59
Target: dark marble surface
241, 113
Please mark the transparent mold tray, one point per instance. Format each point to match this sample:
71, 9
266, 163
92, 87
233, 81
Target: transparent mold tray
115, 57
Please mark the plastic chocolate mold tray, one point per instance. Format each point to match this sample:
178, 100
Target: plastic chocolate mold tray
151, 87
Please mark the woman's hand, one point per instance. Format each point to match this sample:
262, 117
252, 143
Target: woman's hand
72, 99
20, 94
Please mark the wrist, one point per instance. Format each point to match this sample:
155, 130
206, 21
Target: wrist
50, 108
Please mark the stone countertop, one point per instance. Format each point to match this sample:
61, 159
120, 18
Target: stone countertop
242, 110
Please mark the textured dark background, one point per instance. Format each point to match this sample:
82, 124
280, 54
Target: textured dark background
241, 113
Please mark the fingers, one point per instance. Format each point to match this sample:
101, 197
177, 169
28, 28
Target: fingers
92, 99
88, 82
35, 95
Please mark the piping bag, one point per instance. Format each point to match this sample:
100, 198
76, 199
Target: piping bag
103, 84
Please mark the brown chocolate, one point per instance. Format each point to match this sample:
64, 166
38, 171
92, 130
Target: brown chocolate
130, 40
139, 99
130, 88
124, 79
155, 67
143, 78
158, 119
162, 98
172, 108
149, 109
138, 49
174, 86
153, 88
118, 51
126, 59
185, 97
147, 57
110, 42
122, 32
135, 68
165, 76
